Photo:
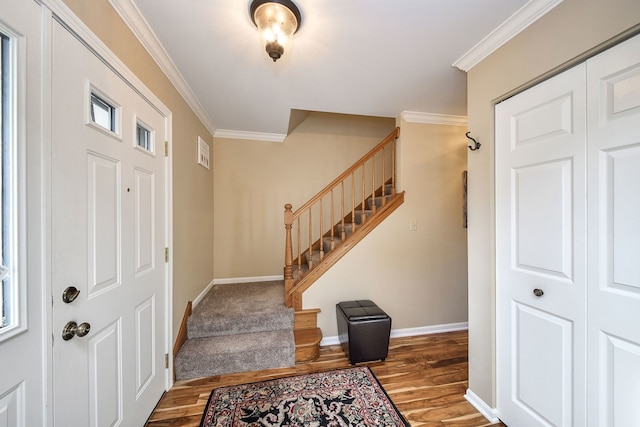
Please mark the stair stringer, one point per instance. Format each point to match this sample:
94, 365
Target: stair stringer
335, 255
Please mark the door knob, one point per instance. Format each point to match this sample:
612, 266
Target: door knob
70, 294
538, 292
72, 328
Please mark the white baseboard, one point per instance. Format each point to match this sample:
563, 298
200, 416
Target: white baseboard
201, 295
487, 411
247, 279
410, 332
426, 330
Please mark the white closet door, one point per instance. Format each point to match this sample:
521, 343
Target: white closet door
614, 236
541, 253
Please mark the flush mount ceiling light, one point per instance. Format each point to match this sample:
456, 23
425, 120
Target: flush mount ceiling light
277, 21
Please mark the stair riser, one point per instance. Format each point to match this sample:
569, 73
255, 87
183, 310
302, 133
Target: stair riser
358, 216
207, 365
307, 353
299, 273
348, 229
230, 326
306, 319
327, 243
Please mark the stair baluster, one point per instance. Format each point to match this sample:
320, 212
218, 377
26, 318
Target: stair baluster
288, 255
373, 182
343, 231
353, 202
321, 231
363, 217
333, 241
384, 199
393, 168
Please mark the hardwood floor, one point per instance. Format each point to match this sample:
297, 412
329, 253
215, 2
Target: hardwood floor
425, 376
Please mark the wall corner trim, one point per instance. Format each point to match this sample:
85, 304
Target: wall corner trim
145, 35
514, 25
487, 411
433, 119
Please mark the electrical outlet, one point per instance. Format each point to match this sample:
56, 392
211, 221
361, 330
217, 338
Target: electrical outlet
413, 225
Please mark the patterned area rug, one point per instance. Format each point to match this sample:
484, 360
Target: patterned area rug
345, 397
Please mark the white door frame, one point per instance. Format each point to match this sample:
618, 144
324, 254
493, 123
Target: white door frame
56, 9
23, 392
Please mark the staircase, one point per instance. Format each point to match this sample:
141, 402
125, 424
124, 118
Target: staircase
238, 328
361, 198
245, 327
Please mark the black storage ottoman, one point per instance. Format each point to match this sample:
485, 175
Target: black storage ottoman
364, 330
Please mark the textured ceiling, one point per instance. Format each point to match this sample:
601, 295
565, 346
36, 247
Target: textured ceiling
363, 57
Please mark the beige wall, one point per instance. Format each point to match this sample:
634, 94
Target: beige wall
253, 180
562, 37
192, 184
418, 277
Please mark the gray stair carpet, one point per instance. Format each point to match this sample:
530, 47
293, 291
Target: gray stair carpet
238, 328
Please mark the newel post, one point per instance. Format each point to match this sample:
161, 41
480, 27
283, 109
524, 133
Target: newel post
288, 255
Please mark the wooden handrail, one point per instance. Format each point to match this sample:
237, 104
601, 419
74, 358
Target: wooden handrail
360, 218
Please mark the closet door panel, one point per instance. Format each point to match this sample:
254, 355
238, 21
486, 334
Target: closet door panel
541, 253
614, 236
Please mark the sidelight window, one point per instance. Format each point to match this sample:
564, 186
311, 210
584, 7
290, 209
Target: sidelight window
8, 246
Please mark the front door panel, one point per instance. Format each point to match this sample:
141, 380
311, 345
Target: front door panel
108, 241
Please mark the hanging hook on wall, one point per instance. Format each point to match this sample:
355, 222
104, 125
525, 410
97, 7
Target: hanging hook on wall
476, 144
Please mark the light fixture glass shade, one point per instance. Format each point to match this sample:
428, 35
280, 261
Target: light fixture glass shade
277, 21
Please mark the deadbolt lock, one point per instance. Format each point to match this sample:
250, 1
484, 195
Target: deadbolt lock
70, 294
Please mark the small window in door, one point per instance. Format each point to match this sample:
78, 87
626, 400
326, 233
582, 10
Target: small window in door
144, 137
103, 113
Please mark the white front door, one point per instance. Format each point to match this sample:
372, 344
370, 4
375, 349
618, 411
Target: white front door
614, 236
108, 240
541, 254
22, 303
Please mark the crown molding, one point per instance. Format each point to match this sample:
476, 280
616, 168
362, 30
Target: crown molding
433, 119
514, 25
254, 136
145, 35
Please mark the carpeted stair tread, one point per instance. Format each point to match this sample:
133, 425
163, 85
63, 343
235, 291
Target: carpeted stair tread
378, 201
240, 308
203, 357
299, 273
358, 216
326, 241
348, 228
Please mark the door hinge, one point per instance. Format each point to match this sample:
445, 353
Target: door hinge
166, 360
166, 254
166, 148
